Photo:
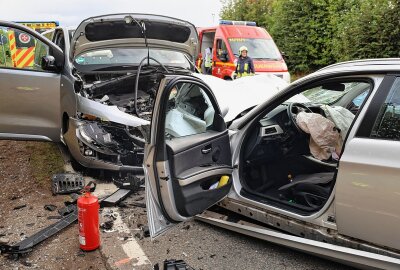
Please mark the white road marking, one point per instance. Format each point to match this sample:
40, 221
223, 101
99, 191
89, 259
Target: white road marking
131, 247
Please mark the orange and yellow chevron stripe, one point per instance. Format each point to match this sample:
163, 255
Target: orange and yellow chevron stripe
21, 57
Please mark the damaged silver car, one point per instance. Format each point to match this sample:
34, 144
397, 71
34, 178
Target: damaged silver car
95, 90
98, 91
315, 167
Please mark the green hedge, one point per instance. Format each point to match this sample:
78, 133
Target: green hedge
316, 33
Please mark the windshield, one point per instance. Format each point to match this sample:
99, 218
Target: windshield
259, 48
325, 96
131, 56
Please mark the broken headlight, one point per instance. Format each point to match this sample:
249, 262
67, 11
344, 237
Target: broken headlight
84, 135
111, 142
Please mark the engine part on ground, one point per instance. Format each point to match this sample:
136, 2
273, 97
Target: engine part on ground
146, 231
50, 207
174, 265
27, 244
137, 204
107, 225
65, 183
115, 197
131, 182
88, 219
19, 206
65, 211
54, 217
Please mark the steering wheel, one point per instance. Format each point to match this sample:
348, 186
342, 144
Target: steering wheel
293, 109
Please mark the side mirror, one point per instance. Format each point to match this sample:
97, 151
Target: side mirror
224, 56
48, 63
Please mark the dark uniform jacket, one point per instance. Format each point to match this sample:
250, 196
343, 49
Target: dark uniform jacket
245, 66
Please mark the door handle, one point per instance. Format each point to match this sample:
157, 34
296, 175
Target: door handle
207, 149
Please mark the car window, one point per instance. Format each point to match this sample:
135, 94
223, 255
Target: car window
330, 93
387, 124
221, 48
59, 40
189, 112
49, 34
358, 101
20, 50
259, 48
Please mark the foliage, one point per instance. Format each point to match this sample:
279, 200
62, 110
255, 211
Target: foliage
316, 33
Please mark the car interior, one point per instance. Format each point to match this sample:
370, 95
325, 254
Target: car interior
279, 164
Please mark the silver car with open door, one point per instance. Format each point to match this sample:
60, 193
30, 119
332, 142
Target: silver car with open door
317, 163
30, 73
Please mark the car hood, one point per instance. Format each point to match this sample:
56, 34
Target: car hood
130, 30
235, 97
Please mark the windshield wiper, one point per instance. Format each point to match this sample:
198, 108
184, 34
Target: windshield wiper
123, 67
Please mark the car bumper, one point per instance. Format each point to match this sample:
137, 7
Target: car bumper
98, 160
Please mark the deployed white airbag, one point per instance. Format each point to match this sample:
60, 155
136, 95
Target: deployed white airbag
342, 118
179, 123
324, 137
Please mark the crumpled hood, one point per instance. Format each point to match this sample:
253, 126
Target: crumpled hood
108, 113
129, 30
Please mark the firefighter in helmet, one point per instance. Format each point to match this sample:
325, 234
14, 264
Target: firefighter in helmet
245, 65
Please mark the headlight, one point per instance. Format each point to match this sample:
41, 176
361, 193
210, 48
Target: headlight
84, 135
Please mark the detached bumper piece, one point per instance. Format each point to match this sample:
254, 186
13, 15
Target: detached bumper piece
27, 244
174, 265
115, 198
66, 183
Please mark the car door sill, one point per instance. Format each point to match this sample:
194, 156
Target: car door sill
348, 256
23, 137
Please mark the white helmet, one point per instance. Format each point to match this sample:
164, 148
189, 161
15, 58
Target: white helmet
243, 48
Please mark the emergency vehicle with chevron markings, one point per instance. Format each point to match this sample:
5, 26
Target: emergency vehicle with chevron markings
22, 45
225, 40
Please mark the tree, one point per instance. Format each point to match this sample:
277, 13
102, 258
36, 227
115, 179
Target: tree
316, 33
300, 29
369, 30
248, 10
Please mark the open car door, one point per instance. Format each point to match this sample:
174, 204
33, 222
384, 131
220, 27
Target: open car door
188, 163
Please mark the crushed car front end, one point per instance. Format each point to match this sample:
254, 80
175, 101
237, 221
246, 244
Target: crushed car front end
118, 62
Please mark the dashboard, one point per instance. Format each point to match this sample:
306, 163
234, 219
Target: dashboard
275, 136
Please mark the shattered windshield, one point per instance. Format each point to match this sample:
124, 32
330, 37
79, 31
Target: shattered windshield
259, 48
320, 95
131, 56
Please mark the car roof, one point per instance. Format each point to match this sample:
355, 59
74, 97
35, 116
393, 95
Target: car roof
389, 63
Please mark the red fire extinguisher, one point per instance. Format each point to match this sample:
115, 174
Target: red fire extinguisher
88, 219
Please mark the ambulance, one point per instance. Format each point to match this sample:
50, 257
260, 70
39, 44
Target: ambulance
224, 42
40, 26
20, 49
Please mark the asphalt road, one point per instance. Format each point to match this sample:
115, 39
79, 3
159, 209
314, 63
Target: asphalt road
204, 246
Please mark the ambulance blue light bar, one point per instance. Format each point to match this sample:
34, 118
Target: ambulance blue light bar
229, 22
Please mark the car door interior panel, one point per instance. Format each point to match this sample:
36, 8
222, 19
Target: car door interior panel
198, 162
